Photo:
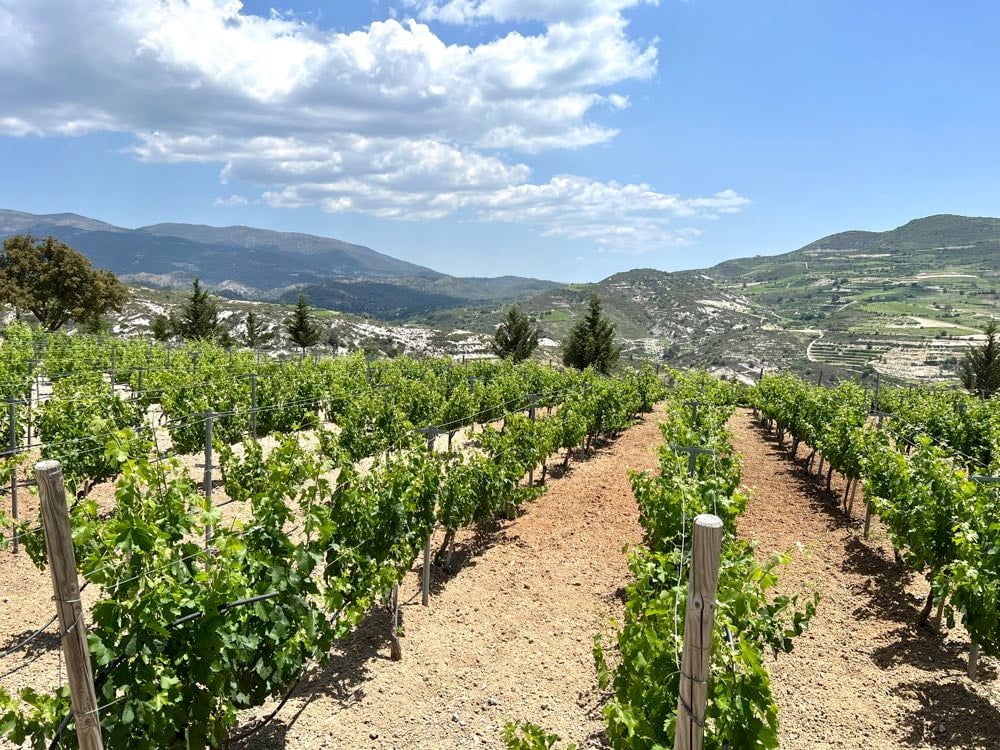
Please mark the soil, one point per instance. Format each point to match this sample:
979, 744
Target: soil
864, 675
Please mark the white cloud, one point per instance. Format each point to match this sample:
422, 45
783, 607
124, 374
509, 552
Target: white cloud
624, 218
467, 11
231, 201
387, 120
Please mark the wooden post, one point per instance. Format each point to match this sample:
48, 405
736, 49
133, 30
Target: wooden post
868, 517
12, 434
34, 397
699, 618
62, 564
431, 433
532, 414
395, 647
425, 598
207, 481
973, 660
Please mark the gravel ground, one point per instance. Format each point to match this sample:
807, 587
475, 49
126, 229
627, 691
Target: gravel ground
864, 675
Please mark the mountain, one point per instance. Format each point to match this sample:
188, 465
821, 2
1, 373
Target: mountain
248, 263
904, 303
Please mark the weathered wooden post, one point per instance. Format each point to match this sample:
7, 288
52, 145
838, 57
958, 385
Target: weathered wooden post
532, 415
69, 608
699, 619
430, 433
12, 436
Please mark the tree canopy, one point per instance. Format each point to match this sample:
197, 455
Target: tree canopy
56, 283
980, 368
591, 342
516, 337
301, 327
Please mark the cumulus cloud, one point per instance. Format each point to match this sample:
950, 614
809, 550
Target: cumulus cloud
388, 120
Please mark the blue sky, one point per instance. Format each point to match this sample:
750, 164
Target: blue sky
566, 139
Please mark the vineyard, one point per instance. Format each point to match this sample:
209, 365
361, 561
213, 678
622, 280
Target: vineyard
240, 524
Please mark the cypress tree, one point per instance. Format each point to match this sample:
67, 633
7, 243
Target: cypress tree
301, 328
516, 337
982, 363
199, 316
256, 333
591, 342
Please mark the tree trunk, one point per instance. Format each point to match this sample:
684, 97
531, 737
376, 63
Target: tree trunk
925, 613
449, 537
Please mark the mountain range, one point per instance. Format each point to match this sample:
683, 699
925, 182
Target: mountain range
248, 263
904, 302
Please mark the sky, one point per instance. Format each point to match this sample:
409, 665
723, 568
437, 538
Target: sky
561, 139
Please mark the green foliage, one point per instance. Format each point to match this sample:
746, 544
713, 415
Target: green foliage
516, 337
81, 416
939, 521
56, 283
591, 342
178, 649
300, 327
526, 736
980, 367
257, 333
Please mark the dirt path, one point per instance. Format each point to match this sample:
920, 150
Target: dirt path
864, 675
507, 637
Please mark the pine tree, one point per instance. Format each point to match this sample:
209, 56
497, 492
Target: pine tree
162, 327
516, 337
199, 316
591, 343
301, 328
980, 368
257, 333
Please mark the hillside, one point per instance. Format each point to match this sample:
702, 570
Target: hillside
904, 302
248, 263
